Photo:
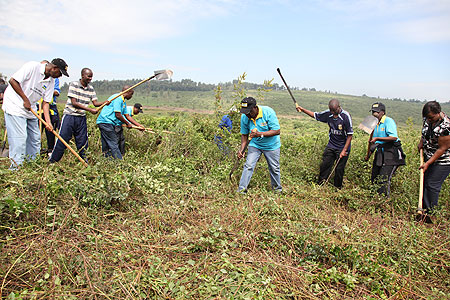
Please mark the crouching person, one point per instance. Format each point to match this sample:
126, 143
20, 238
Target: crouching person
110, 123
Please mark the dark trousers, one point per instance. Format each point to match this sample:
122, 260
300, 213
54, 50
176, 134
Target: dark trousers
71, 126
110, 140
433, 179
54, 119
121, 136
382, 176
329, 157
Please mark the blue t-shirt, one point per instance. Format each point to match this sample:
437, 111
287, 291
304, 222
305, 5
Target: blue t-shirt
108, 113
385, 128
340, 127
265, 120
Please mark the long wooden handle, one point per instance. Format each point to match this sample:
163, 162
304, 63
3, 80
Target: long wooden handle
148, 129
123, 92
40, 112
289, 90
61, 139
420, 205
4, 140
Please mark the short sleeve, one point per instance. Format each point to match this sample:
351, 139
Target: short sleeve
48, 94
72, 90
117, 105
391, 128
24, 72
322, 116
272, 121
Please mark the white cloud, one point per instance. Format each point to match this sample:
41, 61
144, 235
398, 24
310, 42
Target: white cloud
421, 21
99, 23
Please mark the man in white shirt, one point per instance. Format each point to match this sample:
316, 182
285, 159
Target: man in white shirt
30, 83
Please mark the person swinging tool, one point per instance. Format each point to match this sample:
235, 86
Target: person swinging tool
338, 148
260, 123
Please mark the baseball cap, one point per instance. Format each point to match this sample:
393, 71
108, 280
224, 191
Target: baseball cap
61, 64
247, 104
139, 107
378, 106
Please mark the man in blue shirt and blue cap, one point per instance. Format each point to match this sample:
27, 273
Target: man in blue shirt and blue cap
260, 125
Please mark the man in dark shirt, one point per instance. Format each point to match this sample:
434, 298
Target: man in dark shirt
338, 147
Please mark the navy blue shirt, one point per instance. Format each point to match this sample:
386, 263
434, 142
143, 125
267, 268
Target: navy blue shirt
340, 127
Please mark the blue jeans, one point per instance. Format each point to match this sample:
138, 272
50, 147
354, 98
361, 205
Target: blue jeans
110, 140
273, 162
24, 139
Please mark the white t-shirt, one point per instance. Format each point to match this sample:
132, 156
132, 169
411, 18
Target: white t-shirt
31, 79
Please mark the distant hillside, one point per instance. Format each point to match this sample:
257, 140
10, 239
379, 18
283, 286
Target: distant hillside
200, 96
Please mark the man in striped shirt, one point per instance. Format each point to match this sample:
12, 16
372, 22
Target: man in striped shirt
73, 122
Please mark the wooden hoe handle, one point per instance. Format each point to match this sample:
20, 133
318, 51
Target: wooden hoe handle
61, 139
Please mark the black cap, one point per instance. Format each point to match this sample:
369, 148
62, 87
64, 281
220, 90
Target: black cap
247, 104
378, 106
61, 64
139, 107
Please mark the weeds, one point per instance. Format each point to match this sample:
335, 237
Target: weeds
165, 223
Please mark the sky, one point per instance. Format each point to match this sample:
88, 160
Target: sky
380, 48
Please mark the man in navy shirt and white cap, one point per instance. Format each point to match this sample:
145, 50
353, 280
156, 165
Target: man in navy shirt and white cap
338, 148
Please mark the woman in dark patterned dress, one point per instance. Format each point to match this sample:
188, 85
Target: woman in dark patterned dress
435, 142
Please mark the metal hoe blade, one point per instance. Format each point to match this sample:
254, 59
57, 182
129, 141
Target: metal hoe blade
163, 74
368, 124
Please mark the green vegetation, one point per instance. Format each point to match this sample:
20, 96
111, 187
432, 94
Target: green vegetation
166, 223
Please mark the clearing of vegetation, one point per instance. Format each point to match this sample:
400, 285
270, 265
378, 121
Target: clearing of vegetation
167, 223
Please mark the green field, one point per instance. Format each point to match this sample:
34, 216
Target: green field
166, 222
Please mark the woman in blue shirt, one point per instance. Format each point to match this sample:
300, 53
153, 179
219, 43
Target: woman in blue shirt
389, 154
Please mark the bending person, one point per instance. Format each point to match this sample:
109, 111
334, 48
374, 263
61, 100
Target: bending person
260, 123
110, 123
30, 83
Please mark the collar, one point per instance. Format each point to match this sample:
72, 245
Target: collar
82, 86
260, 114
42, 72
383, 118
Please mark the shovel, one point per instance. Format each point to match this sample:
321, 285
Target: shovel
368, 124
159, 75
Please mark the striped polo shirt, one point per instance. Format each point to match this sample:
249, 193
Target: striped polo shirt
83, 95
